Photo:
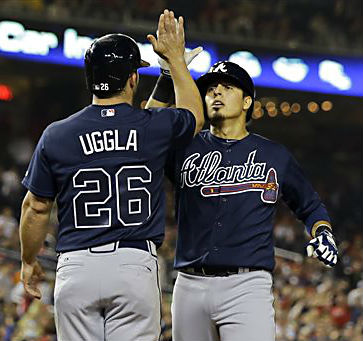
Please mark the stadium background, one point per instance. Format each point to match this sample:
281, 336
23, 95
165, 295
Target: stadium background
323, 130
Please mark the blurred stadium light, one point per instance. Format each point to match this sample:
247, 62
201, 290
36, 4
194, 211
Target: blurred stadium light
6, 93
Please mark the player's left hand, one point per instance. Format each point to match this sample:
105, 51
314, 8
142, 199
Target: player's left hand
30, 275
324, 248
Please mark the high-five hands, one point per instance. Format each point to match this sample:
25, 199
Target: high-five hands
170, 41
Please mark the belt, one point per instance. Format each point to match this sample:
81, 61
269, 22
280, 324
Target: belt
146, 245
214, 271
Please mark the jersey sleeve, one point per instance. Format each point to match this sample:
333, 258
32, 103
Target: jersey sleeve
302, 199
38, 178
183, 126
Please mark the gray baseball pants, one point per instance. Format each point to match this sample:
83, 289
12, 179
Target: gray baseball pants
234, 308
107, 296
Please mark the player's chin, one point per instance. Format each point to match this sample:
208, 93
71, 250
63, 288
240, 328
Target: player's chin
215, 115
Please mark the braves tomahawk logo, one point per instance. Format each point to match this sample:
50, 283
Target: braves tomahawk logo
217, 180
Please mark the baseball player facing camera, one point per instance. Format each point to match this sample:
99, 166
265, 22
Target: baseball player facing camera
104, 166
228, 182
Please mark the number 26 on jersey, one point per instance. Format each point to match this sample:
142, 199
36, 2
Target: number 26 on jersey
91, 205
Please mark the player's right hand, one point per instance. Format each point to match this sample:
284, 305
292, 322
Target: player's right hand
30, 275
170, 42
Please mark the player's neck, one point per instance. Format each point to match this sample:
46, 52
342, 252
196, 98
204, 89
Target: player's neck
118, 99
229, 130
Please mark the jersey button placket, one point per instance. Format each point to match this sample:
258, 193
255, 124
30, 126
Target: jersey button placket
228, 163
228, 150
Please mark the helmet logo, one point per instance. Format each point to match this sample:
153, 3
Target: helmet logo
101, 86
220, 68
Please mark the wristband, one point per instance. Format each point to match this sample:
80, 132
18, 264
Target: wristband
317, 225
164, 88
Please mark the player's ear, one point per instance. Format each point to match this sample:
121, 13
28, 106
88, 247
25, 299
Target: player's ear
247, 101
134, 80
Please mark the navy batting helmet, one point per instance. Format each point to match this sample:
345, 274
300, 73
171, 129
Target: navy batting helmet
109, 61
231, 72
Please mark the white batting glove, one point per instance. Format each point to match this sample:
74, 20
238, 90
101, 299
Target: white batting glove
188, 56
324, 248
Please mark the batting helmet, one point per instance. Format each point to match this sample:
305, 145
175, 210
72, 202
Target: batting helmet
109, 61
231, 72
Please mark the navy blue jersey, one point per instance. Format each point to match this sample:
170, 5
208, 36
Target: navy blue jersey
104, 165
227, 192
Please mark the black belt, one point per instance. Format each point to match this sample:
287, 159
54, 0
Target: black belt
137, 244
214, 271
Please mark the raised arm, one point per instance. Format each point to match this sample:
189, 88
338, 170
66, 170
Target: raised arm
170, 46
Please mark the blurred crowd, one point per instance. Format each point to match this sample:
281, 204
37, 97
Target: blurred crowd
329, 24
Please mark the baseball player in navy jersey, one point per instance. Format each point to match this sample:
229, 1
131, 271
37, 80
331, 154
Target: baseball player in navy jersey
104, 167
228, 182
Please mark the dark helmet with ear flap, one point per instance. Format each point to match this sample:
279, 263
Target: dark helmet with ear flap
233, 72
109, 61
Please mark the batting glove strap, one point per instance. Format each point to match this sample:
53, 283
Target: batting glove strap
165, 72
320, 229
324, 248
